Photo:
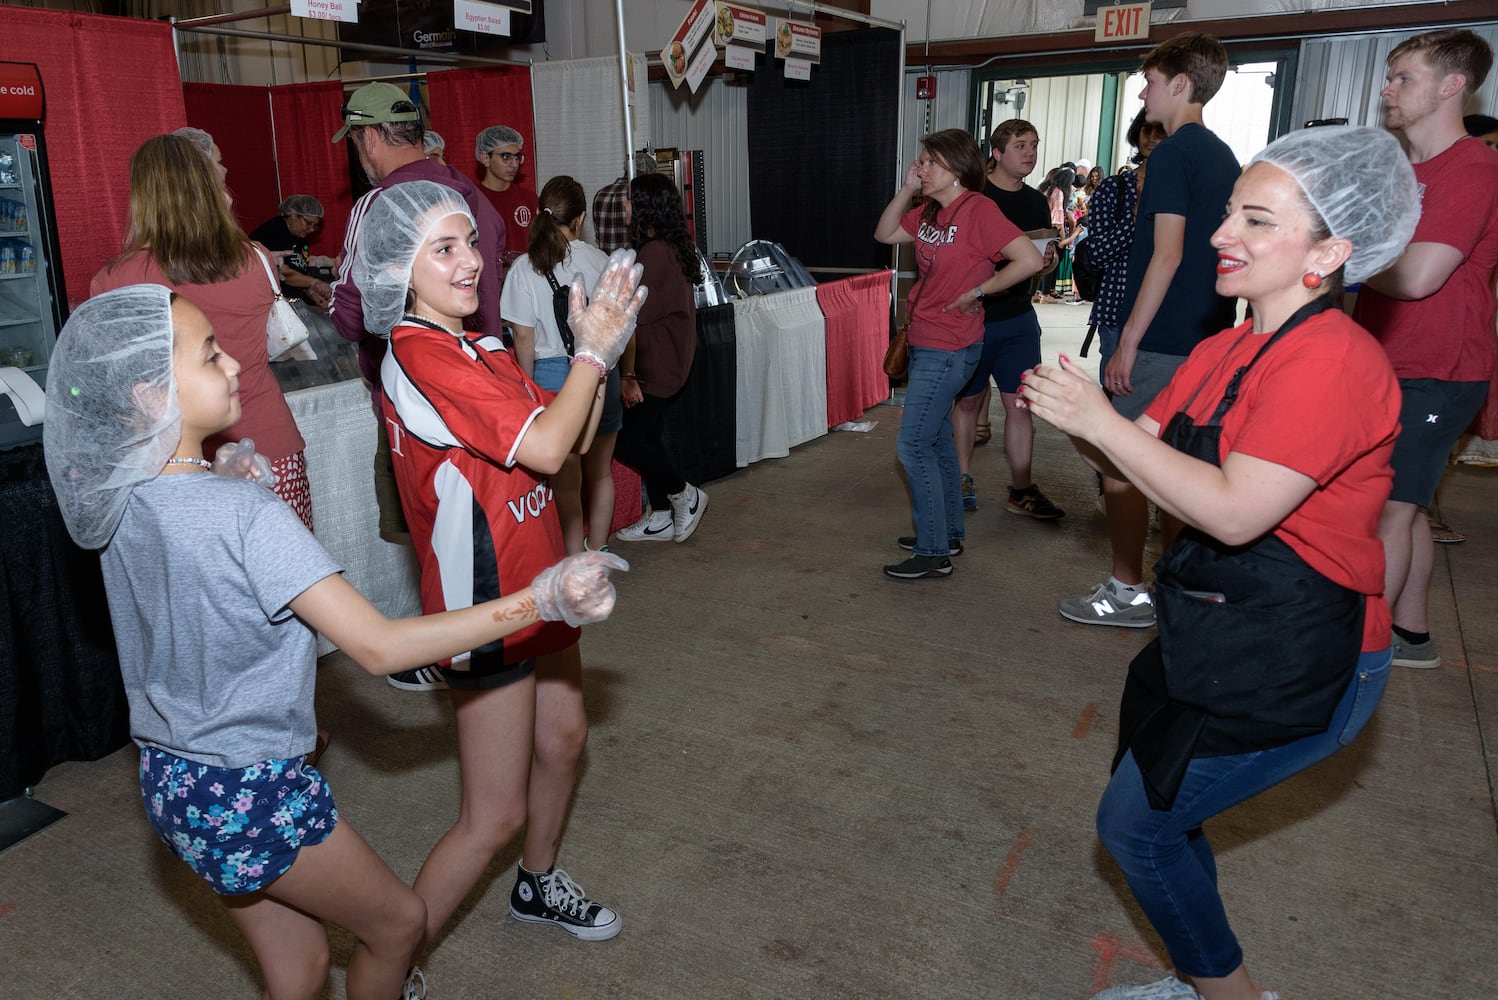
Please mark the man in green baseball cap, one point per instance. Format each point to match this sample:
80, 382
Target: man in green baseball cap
376, 104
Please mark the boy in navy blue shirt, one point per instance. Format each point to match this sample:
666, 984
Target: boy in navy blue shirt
1170, 296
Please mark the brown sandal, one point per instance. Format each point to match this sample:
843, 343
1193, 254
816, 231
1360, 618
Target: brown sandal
982, 434
1442, 534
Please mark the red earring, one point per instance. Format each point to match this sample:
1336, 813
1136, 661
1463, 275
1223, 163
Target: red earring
1311, 279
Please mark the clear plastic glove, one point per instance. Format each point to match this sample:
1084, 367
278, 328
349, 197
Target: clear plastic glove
577, 589
603, 326
239, 460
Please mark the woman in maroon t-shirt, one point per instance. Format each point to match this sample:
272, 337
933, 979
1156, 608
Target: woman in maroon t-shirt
959, 235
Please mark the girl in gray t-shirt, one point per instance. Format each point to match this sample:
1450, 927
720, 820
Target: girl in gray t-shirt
216, 592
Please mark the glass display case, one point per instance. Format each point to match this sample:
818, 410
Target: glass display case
33, 303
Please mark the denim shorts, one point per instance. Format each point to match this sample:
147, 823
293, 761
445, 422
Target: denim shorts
1432, 415
239, 828
552, 372
1011, 347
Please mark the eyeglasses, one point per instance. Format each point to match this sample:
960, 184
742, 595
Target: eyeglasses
510, 157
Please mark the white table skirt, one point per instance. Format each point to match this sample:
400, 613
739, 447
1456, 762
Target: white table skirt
782, 374
339, 428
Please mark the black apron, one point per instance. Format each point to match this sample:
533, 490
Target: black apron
1255, 649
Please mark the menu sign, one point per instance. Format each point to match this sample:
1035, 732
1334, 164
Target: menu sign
794, 40
740, 25
683, 54
485, 18
327, 10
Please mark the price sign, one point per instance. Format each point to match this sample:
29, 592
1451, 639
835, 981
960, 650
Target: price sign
485, 18
327, 10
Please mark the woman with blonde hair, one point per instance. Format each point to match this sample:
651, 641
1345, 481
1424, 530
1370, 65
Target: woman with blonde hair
182, 235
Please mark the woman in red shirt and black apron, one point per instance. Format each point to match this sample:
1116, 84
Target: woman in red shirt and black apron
1272, 444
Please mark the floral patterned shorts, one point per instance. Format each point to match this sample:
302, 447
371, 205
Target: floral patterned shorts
239, 828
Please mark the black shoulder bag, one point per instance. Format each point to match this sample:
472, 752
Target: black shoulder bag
559, 295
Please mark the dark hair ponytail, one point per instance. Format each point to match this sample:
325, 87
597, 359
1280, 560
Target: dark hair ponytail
656, 213
561, 203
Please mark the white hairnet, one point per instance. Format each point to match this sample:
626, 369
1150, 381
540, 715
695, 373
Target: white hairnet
1361, 184
431, 142
392, 231
493, 137
202, 140
112, 413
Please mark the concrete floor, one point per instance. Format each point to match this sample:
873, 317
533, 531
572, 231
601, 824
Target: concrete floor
805, 780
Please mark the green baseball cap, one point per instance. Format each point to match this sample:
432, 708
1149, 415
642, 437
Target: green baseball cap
374, 104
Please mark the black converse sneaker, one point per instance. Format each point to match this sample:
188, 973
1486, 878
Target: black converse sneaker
553, 898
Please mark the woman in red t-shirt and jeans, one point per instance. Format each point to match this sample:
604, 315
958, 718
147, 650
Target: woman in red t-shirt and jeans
1272, 445
959, 235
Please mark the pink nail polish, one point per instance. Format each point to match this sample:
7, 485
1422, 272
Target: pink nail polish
1066, 359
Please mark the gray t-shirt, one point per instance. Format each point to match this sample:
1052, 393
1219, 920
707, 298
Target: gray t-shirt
199, 576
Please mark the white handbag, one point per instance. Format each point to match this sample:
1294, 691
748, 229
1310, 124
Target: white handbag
284, 329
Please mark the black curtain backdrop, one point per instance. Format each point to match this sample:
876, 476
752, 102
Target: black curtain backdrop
822, 152
61, 696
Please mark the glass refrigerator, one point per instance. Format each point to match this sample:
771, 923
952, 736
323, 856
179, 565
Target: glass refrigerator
33, 303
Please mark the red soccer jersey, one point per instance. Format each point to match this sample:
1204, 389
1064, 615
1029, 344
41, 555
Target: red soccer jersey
1448, 335
483, 526
1325, 403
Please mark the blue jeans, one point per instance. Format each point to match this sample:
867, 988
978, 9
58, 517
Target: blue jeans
1165, 855
925, 443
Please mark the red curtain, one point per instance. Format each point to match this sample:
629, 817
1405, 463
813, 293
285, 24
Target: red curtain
857, 311
306, 116
238, 118
464, 102
111, 83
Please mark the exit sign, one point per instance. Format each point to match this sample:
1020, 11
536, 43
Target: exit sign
1124, 22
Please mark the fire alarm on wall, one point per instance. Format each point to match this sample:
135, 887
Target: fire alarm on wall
925, 88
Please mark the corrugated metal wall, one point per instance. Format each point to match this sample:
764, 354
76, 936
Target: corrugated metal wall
949, 110
714, 120
1341, 77
1067, 112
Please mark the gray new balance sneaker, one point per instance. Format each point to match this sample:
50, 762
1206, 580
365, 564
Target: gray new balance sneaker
1106, 606
1422, 656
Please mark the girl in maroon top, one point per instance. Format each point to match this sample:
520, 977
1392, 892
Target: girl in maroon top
658, 360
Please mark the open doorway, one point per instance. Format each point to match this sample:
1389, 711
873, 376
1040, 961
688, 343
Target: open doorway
1085, 116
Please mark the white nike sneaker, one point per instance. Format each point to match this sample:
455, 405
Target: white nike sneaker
686, 510
656, 526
